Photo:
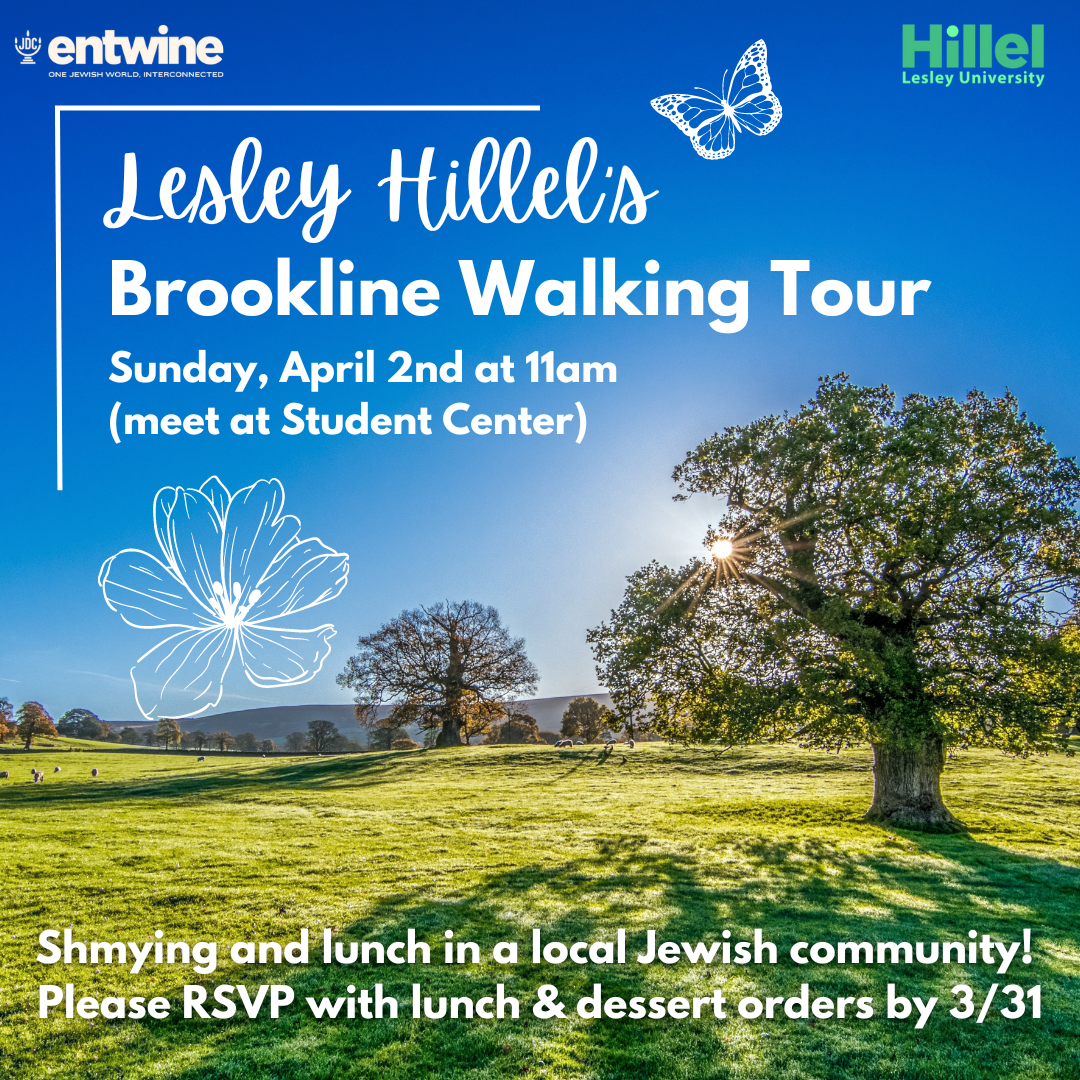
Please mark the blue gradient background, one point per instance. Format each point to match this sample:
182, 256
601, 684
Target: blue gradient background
972, 187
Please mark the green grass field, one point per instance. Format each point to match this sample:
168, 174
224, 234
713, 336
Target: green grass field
491, 842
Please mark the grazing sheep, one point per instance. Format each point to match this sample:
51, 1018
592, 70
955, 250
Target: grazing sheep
3, 775
93, 772
56, 768
203, 758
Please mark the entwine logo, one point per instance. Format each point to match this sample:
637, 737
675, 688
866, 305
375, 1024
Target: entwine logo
161, 50
974, 46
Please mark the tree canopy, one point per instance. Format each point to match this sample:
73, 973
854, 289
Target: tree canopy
898, 574
168, 732
7, 720
443, 667
586, 718
82, 724
34, 720
518, 728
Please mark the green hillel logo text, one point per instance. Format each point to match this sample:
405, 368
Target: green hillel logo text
971, 47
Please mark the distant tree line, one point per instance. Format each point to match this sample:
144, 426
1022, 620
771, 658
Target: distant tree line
321, 737
498, 723
586, 719
32, 720
506, 723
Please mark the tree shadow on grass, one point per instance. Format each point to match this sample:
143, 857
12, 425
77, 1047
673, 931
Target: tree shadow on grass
795, 887
809, 888
191, 778
220, 776
229, 775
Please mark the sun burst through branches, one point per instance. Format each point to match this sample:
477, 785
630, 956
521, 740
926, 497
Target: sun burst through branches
723, 548
728, 555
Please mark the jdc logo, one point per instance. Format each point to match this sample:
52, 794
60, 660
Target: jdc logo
974, 46
27, 47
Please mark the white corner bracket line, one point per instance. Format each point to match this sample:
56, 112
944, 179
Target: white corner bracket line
59, 317
58, 109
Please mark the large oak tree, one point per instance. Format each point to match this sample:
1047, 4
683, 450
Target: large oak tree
442, 666
882, 573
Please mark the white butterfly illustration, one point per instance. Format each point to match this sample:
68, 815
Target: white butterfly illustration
748, 104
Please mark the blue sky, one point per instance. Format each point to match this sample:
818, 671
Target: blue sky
970, 187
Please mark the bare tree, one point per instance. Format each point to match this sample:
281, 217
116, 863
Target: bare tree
322, 735
296, 742
437, 663
222, 740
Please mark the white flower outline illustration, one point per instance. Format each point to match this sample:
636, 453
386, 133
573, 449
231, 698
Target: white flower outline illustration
234, 567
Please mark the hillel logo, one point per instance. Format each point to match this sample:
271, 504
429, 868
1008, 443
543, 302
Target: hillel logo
974, 46
27, 47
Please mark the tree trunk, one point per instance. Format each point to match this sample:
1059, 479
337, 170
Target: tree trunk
450, 734
907, 789
452, 718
